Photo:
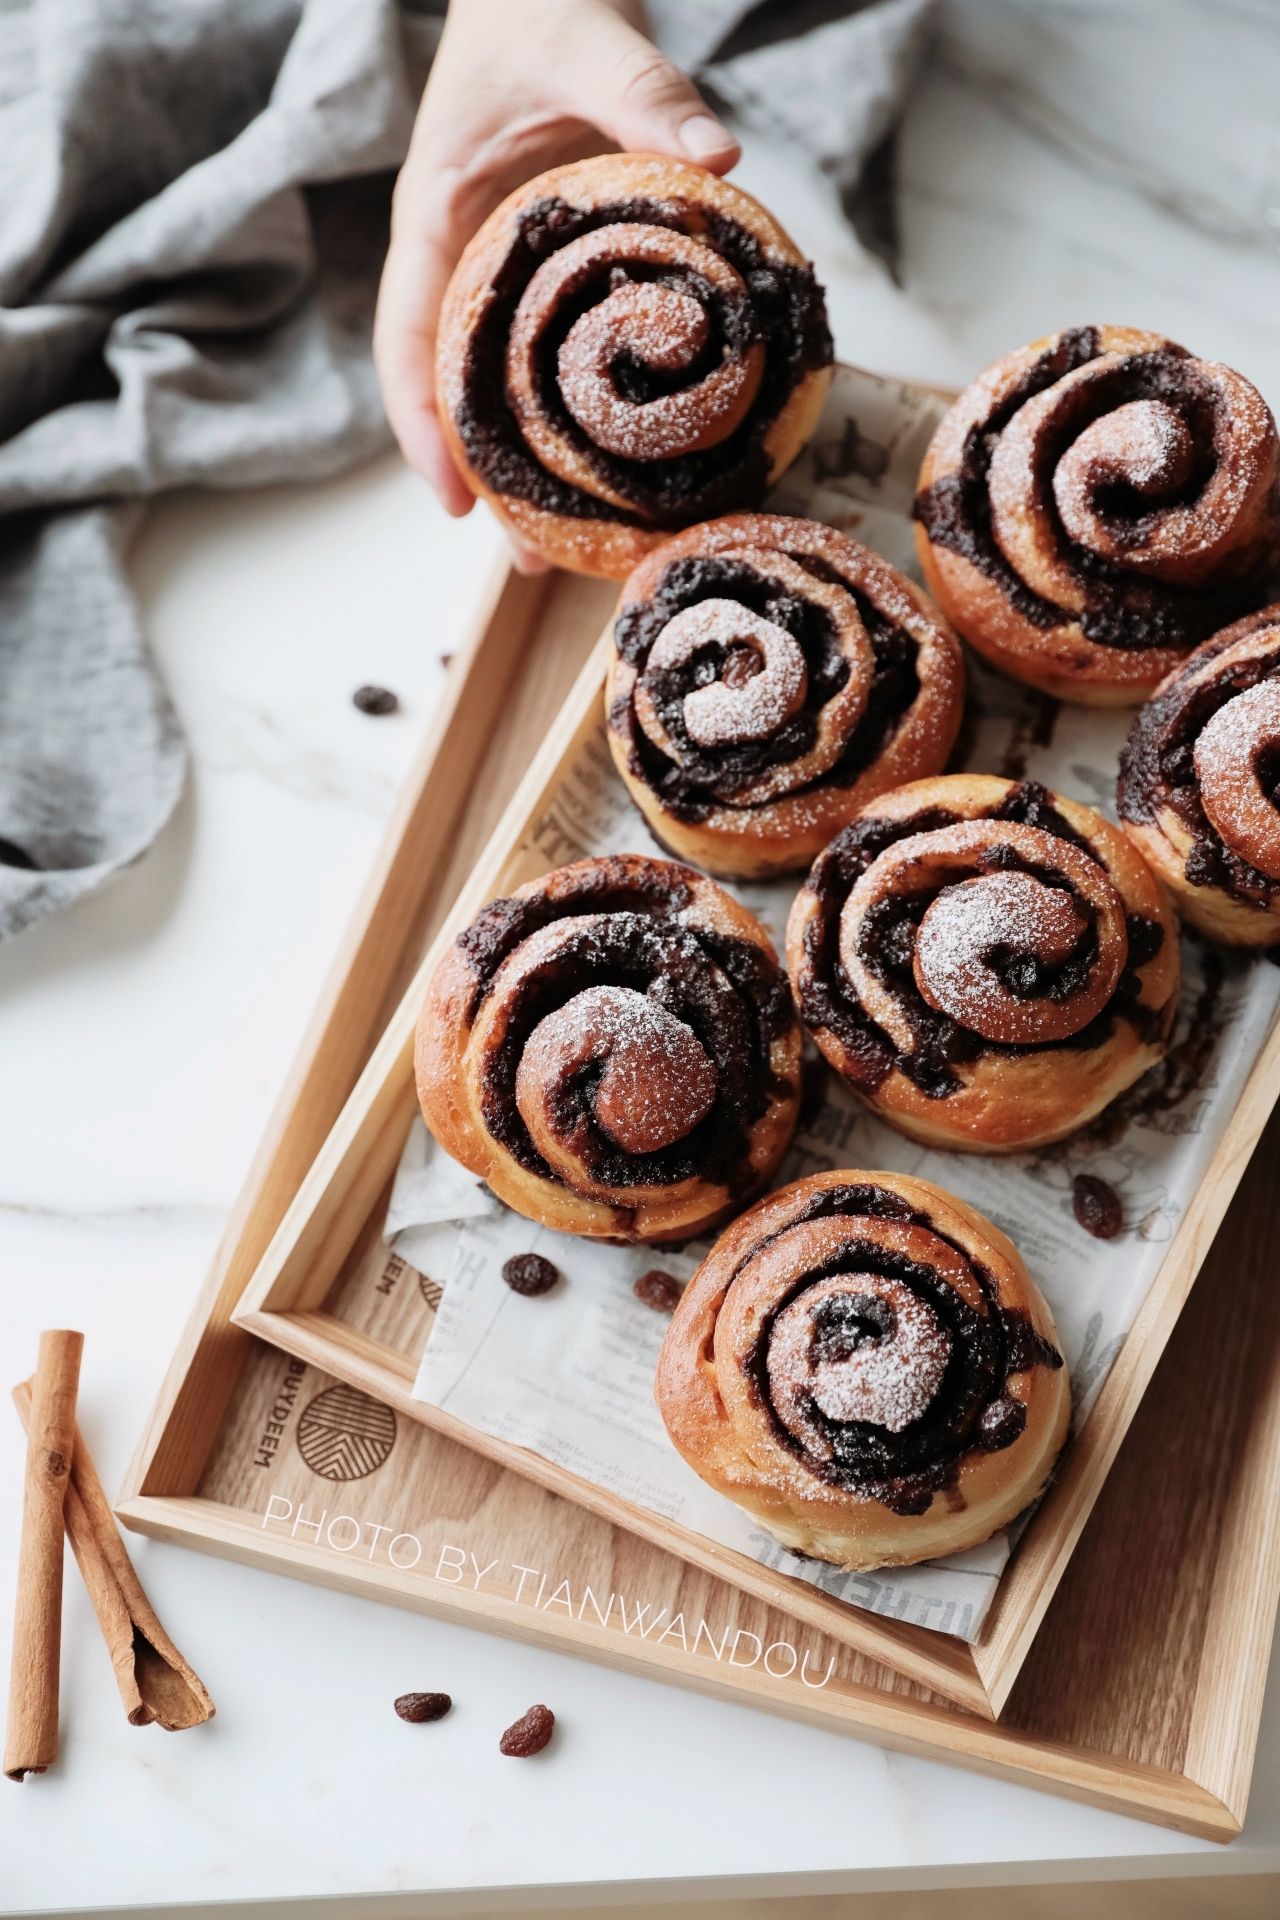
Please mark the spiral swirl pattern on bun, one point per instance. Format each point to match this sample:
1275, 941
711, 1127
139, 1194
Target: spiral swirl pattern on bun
627, 346
1200, 779
769, 677
1097, 504
613, 1050
985, 963
864, 1363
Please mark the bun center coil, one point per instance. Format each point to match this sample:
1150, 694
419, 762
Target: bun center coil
649, 370
655, 1080
1013, 933
1012, 915
748, 701
858, 1346
870, 1342
738, 697
1144, 445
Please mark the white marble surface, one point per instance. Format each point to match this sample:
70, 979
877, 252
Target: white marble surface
145, 1033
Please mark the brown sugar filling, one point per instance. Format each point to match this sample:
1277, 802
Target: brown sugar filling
829, 1001
1122, 609
782, 308
968, 1407
690, 790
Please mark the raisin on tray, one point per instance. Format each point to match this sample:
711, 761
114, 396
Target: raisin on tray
658, 1290
530, 1274
1097, 1206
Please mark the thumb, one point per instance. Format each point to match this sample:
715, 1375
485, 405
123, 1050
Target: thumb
619, 81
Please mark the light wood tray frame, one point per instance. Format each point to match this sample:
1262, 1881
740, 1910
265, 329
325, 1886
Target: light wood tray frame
324, 1166
284, 1302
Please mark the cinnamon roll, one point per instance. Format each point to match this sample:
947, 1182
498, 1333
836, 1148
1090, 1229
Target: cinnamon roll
1094, 506
864, 1363
1200, 783
613, 1050
627, 346
769, 677
986, 963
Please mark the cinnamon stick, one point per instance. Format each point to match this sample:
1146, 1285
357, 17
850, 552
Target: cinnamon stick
155, 1682
31, 1733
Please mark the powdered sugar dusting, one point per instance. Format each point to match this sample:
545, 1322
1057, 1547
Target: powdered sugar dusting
663, 329
721, 715
657, 1080
965, 923
888, 1379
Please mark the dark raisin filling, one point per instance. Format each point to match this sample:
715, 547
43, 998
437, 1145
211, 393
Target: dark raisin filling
783, 307
598, 886
827, 996
690, 790
1157, 767
971, 1407
1122, 610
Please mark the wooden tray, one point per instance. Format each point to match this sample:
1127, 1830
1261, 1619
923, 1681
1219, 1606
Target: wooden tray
300, 1297
1163, 1726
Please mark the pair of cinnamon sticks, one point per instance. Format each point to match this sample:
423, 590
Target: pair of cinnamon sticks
63, 1492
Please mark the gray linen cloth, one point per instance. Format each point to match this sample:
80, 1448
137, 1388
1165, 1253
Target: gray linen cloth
828, 76
193, 211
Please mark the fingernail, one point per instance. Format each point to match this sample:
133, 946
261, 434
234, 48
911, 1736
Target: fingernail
701, 136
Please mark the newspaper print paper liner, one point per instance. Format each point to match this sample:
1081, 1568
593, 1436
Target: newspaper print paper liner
570, 1374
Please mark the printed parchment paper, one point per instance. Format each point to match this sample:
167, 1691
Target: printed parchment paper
570, 1374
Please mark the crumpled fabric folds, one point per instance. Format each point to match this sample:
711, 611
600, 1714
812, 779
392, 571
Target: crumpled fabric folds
193, 213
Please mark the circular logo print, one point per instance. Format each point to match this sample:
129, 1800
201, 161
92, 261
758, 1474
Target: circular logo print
344, 1435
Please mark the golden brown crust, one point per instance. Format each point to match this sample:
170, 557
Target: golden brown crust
583, 543
1002, 1101
756, 835
1165, 845
722, 1410
1215, 850
1059, 448
537, 1030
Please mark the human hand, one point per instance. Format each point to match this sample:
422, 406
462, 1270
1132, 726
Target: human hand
517, 86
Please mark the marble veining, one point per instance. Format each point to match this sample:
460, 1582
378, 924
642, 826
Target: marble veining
239, 737
1173, 99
